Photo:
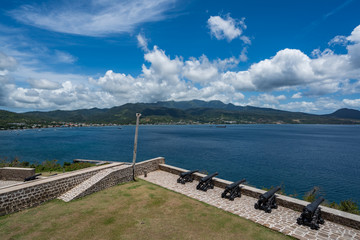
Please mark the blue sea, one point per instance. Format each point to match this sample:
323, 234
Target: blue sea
298, 157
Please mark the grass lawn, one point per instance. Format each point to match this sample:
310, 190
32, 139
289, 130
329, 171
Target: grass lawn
135, 210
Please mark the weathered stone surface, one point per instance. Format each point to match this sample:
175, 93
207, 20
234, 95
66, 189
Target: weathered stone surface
281, 219
15, 173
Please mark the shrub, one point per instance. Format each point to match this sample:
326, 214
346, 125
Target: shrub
49, 166
312, 195
349, 206
77, 166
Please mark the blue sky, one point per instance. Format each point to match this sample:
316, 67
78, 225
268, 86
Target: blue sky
290, 55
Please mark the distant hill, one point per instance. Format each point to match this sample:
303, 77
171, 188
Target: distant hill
346, 114
11, 117
184, 105
184, 112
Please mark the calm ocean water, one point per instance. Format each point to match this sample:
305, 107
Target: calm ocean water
296, 156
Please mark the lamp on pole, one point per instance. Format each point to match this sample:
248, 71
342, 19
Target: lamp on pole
135, 143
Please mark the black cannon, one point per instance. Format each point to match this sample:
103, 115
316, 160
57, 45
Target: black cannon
267, 201
311, 215
186, 177
233, 190
33, 177
206, 182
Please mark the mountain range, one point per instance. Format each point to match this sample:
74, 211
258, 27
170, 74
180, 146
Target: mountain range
183, 112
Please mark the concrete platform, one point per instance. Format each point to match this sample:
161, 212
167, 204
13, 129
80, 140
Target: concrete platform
4, 184
281, 219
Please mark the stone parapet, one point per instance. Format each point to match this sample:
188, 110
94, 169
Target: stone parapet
148, 165
333, 215
15, 173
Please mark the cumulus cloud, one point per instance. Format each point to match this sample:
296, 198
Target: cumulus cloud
289, 67
227, 28
355, 35
171, 79
92, 18
166, 77
200, 70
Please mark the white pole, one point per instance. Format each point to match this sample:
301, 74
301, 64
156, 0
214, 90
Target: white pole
135, 143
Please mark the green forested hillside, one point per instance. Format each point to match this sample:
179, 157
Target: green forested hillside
186, 112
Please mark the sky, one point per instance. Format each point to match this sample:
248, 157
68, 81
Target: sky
299, 55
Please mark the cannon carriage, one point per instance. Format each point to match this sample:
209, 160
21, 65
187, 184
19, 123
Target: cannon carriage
186, 177
267, 201
311, 215
206, 182
233, 190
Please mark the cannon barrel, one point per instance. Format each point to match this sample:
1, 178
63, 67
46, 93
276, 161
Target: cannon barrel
235, 184
268, 194
204, 179
33, 177
314, 205
188, 173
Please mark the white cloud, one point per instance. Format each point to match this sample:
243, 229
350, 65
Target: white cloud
92, 18
297, 95
243, 57
143, 42
303, 106
44, 84
338, 40
355, 35
7, 62
64, 57
289, 67
265, 100
354, 103
228, 28
199, 71
172, 78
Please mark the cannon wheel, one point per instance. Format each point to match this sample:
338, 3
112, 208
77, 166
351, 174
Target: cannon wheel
256, 206
268, 210
197, 187
321, 221
299, 221
231, 199
275, 206
178, 180
223, 195
314, 226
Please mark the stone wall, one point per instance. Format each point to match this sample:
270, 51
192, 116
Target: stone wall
148, 165
124, 175
30, 194
16, 174
333, 215
33, 193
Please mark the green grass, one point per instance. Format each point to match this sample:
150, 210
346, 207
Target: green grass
136, 210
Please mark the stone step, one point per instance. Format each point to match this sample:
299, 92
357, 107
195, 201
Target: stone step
82, 187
